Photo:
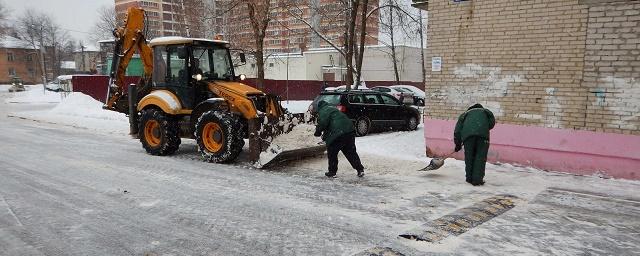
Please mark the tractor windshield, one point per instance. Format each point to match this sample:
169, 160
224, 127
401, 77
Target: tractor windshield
213, 63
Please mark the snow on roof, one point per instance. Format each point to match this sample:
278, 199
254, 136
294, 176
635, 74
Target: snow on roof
14, 43
68, 65
180, 40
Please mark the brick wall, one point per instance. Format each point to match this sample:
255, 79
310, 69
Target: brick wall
24, 64
612, 67
569, 64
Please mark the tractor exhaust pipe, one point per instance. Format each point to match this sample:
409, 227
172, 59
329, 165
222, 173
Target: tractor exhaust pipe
133, 110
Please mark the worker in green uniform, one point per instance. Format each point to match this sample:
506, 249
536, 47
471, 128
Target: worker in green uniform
338, 132
472, 130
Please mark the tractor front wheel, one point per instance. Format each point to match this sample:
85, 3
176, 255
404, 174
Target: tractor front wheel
158, 132
219, 136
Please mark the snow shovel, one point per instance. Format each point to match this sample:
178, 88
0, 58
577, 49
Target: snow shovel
436, 163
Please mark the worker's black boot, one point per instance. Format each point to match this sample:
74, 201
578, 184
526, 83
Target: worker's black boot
360, 173
330, 174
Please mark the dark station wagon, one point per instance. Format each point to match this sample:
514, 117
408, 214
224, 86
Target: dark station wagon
371, 110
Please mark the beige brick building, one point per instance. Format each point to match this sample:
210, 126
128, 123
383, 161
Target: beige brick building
570, 64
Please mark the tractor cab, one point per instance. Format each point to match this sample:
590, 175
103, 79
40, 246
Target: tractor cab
185, 65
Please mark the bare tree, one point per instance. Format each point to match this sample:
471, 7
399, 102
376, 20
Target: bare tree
397, 24
256, 14
327, 18
3, 19
33, 26
106, 23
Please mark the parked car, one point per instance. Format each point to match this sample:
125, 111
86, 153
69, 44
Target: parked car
371, 110
403, 96
419, 96
16, 85
60, 84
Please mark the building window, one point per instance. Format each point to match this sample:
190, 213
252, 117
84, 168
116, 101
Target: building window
12, 72
10, 56
29, 57
270, 64
32, 72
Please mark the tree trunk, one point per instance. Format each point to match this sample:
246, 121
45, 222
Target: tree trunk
260, 61
363, 33
350, 43
394, 56
424, 69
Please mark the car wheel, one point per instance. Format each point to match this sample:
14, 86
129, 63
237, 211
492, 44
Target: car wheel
412, 123
363, 126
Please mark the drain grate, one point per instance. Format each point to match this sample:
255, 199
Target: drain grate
461, 220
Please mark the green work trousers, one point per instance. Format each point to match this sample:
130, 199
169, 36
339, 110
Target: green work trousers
475, 158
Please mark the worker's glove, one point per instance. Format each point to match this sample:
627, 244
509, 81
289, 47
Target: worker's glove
317, 134
458, 147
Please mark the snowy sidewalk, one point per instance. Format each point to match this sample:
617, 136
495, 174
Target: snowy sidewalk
554, 213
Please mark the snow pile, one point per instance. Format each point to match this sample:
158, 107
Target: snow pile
301, 136
80, 110
35, 94
81, 105
5, 87
296, 106
399, 145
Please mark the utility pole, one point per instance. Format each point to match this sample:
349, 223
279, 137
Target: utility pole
82, 56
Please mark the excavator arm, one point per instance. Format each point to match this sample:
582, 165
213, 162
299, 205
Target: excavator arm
128, 38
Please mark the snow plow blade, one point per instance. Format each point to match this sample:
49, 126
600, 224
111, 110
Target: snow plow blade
274, 140
294, 154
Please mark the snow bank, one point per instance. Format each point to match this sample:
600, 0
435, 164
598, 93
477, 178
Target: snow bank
35, 94
399, 145
296, 106
80, 110
81, 105
301, 136
4, 87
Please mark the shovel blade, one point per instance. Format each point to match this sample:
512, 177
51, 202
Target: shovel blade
435, 164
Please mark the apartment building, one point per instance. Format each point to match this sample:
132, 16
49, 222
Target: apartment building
167, 17
288, 34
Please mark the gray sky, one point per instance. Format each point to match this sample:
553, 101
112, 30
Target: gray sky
77, 15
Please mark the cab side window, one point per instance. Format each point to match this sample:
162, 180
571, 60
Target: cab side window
159, 65
177, 64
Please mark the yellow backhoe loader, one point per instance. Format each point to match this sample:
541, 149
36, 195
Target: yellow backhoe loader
189, 90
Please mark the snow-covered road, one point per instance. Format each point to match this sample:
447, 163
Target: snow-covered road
76, 191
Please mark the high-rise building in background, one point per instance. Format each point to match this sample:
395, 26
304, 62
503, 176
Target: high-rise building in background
168, 17
286, 34
207, 18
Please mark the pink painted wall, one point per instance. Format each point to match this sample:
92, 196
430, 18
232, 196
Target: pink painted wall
580, 152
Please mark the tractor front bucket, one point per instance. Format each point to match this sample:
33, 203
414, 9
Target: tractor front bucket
274, 140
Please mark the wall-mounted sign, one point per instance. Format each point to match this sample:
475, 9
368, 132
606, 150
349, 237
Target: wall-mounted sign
436, 64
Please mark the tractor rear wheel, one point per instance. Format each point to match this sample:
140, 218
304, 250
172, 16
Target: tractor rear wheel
158, 132
219, 136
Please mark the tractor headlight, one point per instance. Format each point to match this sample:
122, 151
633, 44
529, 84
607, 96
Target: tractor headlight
197, 77
243, 77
